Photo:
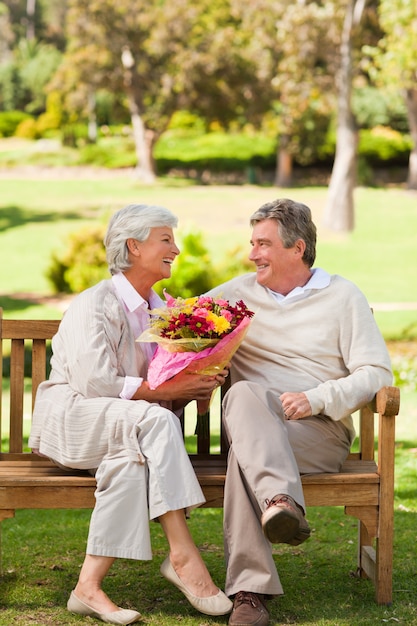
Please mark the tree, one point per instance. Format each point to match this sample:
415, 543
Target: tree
7, 36
37, 63
163, 55
306, 35
294, 46
339, 209
395, 63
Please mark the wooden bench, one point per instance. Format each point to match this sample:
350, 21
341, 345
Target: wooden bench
364, 487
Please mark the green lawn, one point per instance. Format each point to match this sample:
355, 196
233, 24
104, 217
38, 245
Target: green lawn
380, 255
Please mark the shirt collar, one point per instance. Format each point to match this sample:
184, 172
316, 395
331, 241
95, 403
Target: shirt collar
319, 280
130, 297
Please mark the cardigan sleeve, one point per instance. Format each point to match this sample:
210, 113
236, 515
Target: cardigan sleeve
93, 348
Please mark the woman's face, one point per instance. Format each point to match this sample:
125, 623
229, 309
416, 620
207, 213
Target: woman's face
156, 254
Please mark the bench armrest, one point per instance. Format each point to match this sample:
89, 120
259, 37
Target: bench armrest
387, 401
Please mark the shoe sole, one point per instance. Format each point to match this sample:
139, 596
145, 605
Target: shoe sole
280, 526
302, 535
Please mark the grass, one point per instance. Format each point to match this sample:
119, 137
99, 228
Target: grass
43, 550
380, 255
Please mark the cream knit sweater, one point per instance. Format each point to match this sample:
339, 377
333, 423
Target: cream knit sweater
326, 345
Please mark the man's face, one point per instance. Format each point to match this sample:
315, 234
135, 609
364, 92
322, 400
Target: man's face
274, 263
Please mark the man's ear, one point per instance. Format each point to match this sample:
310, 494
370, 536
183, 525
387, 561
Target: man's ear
300, 246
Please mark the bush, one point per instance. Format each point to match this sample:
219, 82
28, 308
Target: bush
405, 372
52, 118
82, 265
74, 134
10, 120
186, 121
28, 129
193, 272
375, 107
382, 145
112, 152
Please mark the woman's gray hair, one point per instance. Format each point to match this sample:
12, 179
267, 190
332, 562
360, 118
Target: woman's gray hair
133, 221
294, 222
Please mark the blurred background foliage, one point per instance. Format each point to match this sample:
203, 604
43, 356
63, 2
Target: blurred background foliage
216, 89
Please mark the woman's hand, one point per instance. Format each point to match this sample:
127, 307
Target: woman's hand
183, 387
188, 385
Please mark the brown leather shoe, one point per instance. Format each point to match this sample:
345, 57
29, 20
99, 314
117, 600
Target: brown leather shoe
284, 522
249, 610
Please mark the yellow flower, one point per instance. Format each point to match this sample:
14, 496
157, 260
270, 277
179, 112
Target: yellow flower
221, 325
187, 305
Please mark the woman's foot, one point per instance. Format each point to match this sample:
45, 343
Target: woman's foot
120, 616
216, 603
95, 598
194, 575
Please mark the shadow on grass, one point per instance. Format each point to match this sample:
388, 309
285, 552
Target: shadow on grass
12, 216
8, 303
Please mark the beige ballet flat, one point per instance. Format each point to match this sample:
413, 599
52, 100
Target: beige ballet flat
213, 605
122, 616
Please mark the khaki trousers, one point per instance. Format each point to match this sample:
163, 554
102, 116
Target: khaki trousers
266, 456
129, 492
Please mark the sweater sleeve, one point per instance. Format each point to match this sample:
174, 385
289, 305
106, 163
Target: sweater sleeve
366, 360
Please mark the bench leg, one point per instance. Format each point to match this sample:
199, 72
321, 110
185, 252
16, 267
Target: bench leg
375, 563
384, 557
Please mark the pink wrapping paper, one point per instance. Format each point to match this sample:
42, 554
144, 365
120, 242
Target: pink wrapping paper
166, 364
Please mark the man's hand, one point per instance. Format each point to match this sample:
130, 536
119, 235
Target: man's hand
295, 405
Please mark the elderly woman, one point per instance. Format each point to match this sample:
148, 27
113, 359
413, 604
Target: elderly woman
97, 412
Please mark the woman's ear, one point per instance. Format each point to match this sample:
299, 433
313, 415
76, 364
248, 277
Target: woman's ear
133, 246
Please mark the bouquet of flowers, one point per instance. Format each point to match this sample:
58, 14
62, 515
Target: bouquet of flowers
202, 331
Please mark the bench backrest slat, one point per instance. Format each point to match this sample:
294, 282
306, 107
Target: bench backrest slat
17, 387
367, 434
15, 336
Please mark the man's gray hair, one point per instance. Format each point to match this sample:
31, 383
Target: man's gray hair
133, 221
294, 222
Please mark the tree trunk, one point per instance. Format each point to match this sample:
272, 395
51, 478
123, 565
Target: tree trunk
339, 209
144, 142
30, 19
411, 101
143, 138
92, 118
283, 172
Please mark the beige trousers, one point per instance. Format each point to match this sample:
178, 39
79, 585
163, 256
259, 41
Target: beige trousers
129, 493
266, 456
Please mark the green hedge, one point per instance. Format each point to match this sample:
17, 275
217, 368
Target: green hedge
382, 145
216, 151
10, 120
222, 152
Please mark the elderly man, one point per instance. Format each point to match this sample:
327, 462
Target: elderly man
312, 356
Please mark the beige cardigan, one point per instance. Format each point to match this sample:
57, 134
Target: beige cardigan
78, 413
